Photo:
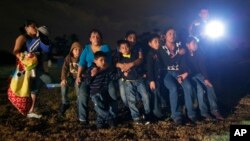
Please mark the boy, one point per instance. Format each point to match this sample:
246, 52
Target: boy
198, 73
98, 77
133, 83
68, 74
154, 71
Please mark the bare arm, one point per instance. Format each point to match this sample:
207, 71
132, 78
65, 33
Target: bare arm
79, 74
20, 41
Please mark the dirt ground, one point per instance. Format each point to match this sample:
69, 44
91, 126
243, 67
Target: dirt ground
235, 105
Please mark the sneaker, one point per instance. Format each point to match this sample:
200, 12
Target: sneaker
138, 122
111, 123
33, 115
178, 121
63, 108
218, 116
207, 117
193, 119
84, 124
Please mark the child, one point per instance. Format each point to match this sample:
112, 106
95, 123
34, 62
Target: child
154, 70
133, 83
199, 74
68, 74
98, 77
130, 36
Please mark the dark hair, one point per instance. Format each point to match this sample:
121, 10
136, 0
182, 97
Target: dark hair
169, 28
119, 42
26, 23
153, 36
129, 33
190, 39
96, 31
99, 54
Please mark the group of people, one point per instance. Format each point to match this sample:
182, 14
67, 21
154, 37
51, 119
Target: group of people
141, 76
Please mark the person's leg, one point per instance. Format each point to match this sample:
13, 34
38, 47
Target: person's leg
113, 100
33, 98
130, 91
83, 97
156, 96
35, 83
65, 101
102, 109
170, 84
141, 89
122, 92
201, 97
187, 89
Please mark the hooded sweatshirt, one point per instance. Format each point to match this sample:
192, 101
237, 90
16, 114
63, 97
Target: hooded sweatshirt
70, 65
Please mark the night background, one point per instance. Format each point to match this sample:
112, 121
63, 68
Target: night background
114, 18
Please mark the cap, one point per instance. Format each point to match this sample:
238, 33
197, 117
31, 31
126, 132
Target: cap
44, 30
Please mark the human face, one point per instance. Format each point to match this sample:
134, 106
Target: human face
76, 52
192, 46
100, 62
31, 29
204, 14
170, 36
132, 39
124, 49
154, 43
95, 38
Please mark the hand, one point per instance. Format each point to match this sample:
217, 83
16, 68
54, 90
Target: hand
64, 82
179, 79
125, 74
94, 71
127, 66
207, 83
78, 80
182, 51
152, 85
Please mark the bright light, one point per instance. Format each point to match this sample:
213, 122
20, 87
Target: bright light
214, 29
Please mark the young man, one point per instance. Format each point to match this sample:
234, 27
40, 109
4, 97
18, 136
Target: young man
198, 73
197, 28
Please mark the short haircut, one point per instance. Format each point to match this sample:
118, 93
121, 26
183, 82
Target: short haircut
190, 39
129, 33
27, 23
120, 42
99, 54
169, 28
153, 36
96, 31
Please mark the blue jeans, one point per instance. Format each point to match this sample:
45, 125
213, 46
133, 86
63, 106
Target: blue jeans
82, 98
157, 101
101, 105
65, 91
122, 92
170, 81
211, 96
113, 109
132, 88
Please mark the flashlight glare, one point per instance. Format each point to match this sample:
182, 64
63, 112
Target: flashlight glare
214, 29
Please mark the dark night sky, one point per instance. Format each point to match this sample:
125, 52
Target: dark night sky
115, 17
